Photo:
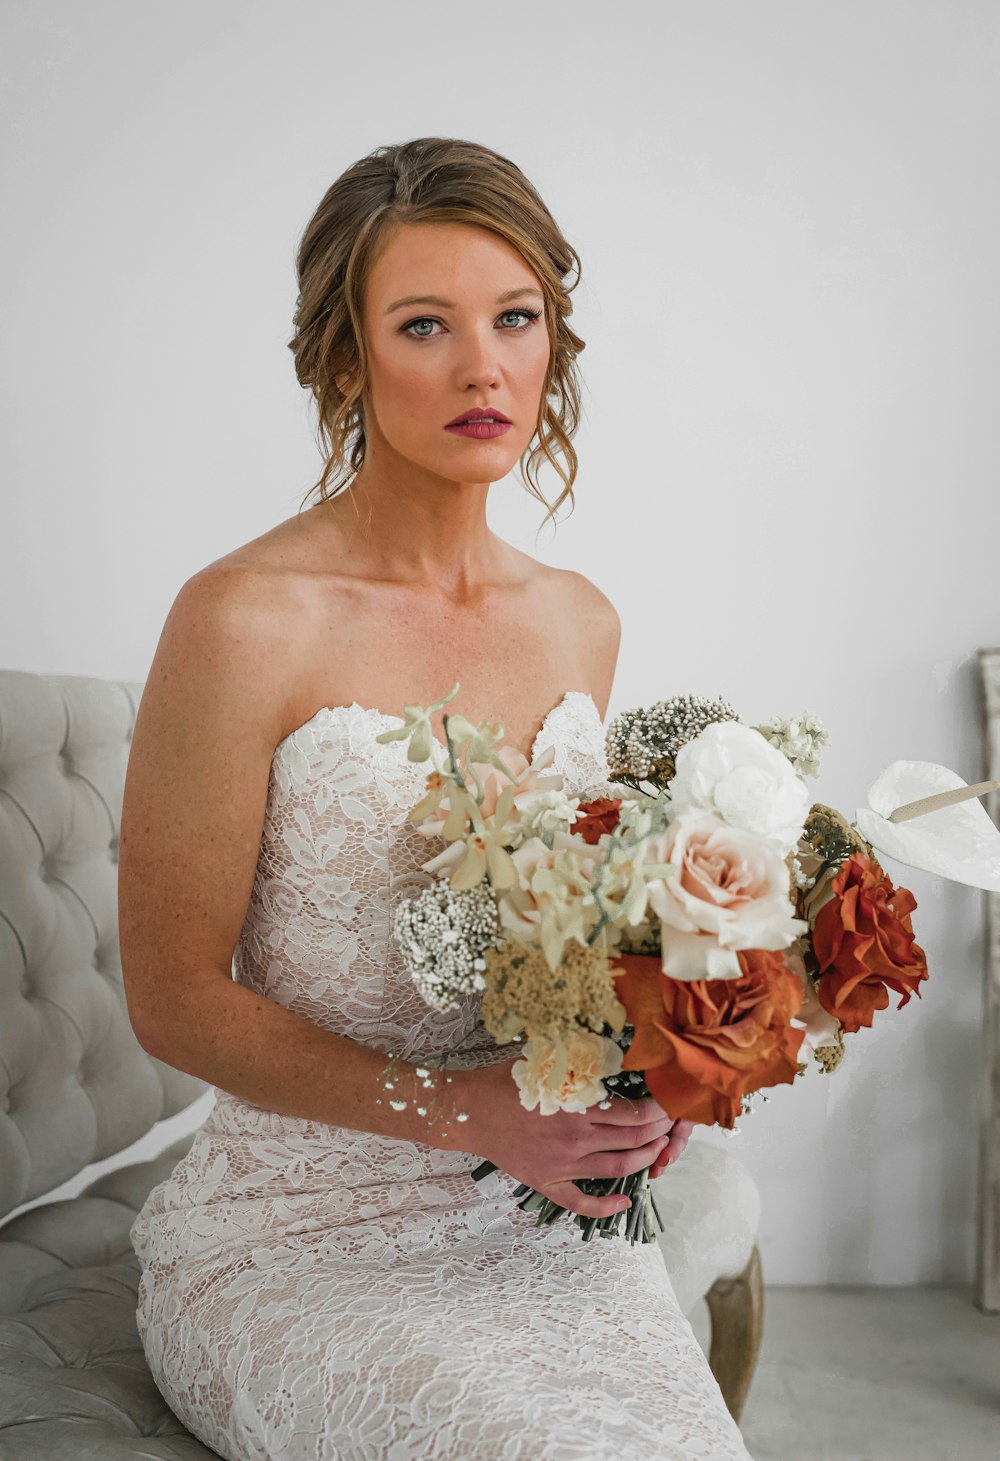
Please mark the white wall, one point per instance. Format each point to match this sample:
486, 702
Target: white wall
788, 219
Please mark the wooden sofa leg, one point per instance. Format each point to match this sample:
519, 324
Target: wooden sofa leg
736, 1307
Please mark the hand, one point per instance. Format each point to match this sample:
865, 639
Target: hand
680, 1133
551, 1153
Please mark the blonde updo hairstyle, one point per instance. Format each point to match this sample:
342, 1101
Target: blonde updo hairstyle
428, 179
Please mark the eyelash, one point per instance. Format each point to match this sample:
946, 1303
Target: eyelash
532, 315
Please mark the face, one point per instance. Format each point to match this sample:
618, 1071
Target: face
482, 343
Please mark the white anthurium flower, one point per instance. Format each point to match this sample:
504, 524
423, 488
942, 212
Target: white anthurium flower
959, 841
732, 770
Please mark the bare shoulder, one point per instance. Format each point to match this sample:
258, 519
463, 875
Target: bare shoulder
573, 594
228, 656
251, 616
595, 610
594, 630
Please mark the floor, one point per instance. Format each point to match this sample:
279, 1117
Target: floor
872, 1374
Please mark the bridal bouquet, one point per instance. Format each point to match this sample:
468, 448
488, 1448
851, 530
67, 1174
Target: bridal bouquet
689, 928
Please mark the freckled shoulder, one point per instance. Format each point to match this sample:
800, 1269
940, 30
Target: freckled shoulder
597, 629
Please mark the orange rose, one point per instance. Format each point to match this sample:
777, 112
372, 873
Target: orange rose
703, 1043
864, 941
600, 815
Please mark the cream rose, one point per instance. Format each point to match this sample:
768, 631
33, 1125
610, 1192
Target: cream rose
820, 1027
731, 769
567, 1076
726, 890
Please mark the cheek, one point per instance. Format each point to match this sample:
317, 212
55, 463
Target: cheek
399, 390
533, 365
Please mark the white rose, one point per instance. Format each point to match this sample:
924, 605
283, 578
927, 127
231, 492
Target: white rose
731, 769
727, 890
567, 1076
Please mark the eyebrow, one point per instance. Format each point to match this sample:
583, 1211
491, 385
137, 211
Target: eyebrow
450, 303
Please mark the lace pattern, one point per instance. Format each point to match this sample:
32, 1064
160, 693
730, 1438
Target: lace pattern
311, 1292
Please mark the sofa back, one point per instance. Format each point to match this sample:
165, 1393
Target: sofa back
75, 1084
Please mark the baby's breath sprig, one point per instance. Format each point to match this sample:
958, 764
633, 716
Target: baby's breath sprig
442, 935
432, 1076
642, 743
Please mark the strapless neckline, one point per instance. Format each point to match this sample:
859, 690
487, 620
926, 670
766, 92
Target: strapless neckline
331, 712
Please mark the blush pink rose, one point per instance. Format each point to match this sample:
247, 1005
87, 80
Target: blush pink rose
726, 890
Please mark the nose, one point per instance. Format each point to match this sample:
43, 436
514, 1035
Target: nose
478, 363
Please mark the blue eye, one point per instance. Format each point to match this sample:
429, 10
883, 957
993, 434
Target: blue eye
531, 315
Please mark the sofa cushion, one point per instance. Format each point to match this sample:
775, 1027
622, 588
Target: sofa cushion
74, 1383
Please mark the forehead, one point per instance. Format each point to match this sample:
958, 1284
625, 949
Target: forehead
451, 260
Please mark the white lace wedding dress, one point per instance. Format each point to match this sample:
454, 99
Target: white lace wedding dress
309, 1291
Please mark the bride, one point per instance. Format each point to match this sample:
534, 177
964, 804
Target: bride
320, 1277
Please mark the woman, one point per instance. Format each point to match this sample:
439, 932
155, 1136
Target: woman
320, 1276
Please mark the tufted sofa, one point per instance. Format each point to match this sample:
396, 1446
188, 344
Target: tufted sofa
77, 1088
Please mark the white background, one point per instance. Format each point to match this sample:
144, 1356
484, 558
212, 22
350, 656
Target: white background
788, 220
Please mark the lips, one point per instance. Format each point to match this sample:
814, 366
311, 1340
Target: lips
483, 413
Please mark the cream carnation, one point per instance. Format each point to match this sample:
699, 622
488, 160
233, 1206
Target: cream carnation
568, 1075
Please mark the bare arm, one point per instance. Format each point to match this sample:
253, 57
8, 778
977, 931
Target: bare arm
212, 711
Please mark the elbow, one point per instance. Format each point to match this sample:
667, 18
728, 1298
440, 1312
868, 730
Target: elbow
148, 1035
146, 1027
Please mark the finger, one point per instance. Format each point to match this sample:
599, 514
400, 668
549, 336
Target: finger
623, 1111
661, 1162
618, 1138
676, 1142
568, 1195
680, 1135
620, 1163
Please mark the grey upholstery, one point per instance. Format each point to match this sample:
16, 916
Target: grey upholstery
76, 1087
74, 1383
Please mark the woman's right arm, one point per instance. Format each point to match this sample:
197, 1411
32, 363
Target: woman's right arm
215, 704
